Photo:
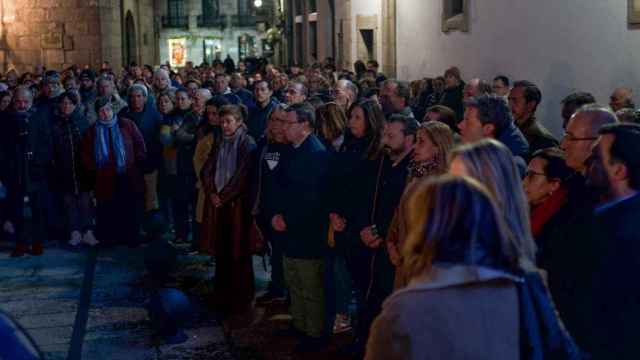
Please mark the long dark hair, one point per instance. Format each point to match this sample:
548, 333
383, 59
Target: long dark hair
374, 119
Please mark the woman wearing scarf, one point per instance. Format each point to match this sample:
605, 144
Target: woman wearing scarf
434, 141
113, 150
227, 214
544, 185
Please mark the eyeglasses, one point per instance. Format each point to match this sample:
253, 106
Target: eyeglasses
571, 137
531, 173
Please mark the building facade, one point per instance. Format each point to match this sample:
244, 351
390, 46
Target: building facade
59, 33
205, 30
345, 30
562, 46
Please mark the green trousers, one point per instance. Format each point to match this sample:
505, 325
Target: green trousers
305, 280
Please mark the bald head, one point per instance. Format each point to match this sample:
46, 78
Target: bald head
582, 132
621, 98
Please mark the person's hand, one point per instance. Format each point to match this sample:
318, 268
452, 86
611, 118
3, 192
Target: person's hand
278, 224
338, 223
370, 238
8, 227
394, 254
215, 200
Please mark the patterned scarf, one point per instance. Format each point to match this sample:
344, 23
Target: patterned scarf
104, 129
227, 161
420, 169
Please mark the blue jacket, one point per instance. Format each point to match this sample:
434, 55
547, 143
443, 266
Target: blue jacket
148, 122
513, 139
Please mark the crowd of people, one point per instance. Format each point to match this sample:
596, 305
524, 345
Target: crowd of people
413, 214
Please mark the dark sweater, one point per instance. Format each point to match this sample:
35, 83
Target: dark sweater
300, 200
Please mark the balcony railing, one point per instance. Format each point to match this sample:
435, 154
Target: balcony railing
179, 22
211, 21
243, 20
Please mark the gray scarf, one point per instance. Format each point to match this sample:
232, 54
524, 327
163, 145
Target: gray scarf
227, 161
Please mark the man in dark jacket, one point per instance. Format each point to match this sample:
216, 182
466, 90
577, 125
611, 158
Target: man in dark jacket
615, 297
453, 91
26, 145
524, 99
273, 151
88, 90
570, 282
259, 114
302, 219
148, 120
373, 219
488, 116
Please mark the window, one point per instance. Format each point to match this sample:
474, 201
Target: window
455, 15
175, 8
312, 6
210, 8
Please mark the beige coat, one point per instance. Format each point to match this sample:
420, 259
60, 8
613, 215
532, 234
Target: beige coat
455, 312
199, 158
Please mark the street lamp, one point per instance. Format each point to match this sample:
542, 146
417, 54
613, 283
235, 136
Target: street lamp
257, 3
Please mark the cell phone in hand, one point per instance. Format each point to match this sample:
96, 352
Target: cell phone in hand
374, 231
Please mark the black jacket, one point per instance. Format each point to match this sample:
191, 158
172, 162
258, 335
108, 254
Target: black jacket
69, 176
616, 294
26, 149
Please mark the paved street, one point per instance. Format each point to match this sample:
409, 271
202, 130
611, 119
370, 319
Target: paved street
42, 293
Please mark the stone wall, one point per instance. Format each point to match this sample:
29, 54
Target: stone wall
56, 33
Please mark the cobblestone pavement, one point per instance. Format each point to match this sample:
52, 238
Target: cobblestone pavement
42, 294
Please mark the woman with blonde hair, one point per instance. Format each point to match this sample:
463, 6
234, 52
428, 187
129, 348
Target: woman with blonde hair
463, 266
434, 141
492, 164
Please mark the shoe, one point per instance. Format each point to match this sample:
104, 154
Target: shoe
270, 297
90, 239
36, 249
76, 238
341, 324
19, 250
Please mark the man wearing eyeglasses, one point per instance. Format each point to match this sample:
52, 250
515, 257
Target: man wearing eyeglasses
573, 248
301, 222
582, 133
296, 93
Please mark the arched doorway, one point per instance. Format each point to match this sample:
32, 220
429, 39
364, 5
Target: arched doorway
130, 47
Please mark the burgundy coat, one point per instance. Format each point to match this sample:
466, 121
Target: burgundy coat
226, 230
105, 179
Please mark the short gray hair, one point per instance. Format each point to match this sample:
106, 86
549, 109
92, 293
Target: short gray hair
161, 73
138, 88
23, 90
350, 86
206, 92
596, 115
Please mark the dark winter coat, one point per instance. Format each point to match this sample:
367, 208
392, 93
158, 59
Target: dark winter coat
616, 296
69, 175
537, 135
26, 145
258, 117
148, 122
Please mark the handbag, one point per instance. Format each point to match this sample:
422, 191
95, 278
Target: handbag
542, 334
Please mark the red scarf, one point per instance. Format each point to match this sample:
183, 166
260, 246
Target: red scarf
542, 213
